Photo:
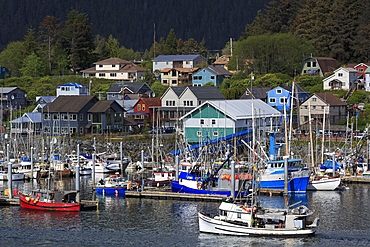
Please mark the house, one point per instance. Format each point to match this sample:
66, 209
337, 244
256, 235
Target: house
317, 103
177, 101
72, 89
29, 123
177, 61
67, 115
4, 73
145, 110
219, 118
115, 69
214, 74
45, 99
318, 65
13, 97
256, 93
280, 96
127, 104
105, 116
178, 76
343, 78
361, 68
223, 61
119, 90
367, 80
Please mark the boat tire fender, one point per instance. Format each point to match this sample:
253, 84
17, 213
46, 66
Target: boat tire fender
254, 210
38, 197
199, 186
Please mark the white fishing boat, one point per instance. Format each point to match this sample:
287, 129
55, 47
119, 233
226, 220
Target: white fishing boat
324, 183
242, 220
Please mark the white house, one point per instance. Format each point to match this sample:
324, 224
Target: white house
343, 78
72, 89
115, 69
177, 61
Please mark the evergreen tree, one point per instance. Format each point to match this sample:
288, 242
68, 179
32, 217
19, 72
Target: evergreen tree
78, 40
100, 51
171, 44
33, 66
113, 47
30, 43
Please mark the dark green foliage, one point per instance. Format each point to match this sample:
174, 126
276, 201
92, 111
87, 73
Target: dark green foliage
358, 97
158, 89
171, 44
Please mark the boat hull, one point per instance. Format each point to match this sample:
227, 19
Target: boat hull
111, 190
178, 188
296, 185
48, 206
211, 225
324, 184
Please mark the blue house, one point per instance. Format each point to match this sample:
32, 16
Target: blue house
4, 73
214, 74
72, 89
279, 96
13, 97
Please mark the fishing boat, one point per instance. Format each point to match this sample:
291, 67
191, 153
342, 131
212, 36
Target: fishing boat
324, 182
244, 220
114, 185
160, 178
64, 201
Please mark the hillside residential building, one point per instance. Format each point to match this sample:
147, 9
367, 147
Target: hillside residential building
177, 101
13, 97
335, 109
178, 76
318, 65
219, 118
119, 90
4, 73
72, 89
256, 93
223, 61
29, 123
343, 78
280, 96
214, 74
115, 69
177, 61
145, 110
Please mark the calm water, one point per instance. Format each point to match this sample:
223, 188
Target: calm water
147, 222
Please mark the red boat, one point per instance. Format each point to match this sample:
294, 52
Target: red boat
63, 201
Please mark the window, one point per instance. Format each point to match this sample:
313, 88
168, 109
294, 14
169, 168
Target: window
322, 107
212, 77
191, 103
81, 130
305, 107
213, 121
361, 70
195, 78
164, 81
113, 65
56, 116
167, 103
340, 74
199, 78
173, 103
46, 116
215, 133
187, 62
199, 102
174, 82
202, 121
283, 100
101, 74
308, 64
278, 91
73, 117
143, 107
272, 100
313, 99
73, 130
62, 88
199, 133
89, 117
204, 71
184, 102
100, 65
138, 107
96, 117
173, 72
64, 116
47, 129
305, 118
113, 74
314, 107
313, 64
56, 130
156, 63
81, 117
64, 130
166, 63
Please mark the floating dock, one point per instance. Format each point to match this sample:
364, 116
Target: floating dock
5, 201
356, 179
164, 195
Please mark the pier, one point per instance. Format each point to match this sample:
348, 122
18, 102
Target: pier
165, 195
356, 179
5, 201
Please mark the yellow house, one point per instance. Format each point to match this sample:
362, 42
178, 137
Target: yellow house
178, 76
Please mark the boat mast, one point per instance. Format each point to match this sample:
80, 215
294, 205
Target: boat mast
286, 131
323, 139
309, 119
291, 116
253, 140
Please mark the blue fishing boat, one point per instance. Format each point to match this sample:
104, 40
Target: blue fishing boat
114, 185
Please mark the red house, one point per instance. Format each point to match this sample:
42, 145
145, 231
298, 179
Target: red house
144, 109
361, 68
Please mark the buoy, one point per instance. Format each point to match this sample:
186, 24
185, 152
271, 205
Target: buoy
28, 199
270, 193
6, 192
254, 209
116, 192
248, 210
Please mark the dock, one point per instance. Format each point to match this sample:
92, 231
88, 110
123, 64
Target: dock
5, 201
271, 192
165, 195
356, 179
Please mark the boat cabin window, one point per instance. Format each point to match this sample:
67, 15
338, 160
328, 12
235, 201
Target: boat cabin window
239, 215
223, 213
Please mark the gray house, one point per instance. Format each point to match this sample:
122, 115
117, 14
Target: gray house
13, 97
119, 90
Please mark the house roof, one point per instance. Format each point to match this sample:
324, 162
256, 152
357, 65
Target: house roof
207, 92
218, 70
327, 64
76, 85
240, 108
47, 99
103, 106
354, 65
222, 60
129, 121
134, 87
7, 89
30, 117
70, 103
152, 101
175, 57
128, 105
330, 99
257, 92
296, 89
132, 67
112, 60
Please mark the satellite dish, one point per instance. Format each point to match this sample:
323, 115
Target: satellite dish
12, 96
54, 140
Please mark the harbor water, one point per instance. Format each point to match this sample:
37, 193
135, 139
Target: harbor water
120, 221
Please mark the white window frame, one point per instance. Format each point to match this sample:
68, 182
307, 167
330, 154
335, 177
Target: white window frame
272, 98
279, 91
283, 100
201, 121
215, 133
199, 133
73, 117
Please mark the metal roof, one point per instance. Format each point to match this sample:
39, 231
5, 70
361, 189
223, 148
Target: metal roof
175, 57
7, 89
73, 84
